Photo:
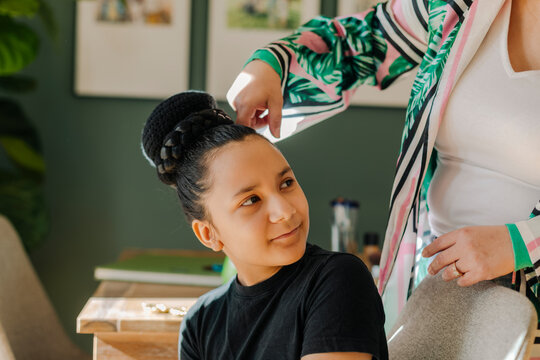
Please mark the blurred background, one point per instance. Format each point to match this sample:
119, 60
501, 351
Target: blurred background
101, 195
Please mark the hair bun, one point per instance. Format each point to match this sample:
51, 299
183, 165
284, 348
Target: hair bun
167, 115
175, 124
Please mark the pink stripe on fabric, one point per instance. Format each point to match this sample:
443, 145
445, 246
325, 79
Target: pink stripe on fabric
313, 42
401, 291
404, 250
384, 69
453, 72
347, 95
397, 232
533, 244
409, 248
340, 29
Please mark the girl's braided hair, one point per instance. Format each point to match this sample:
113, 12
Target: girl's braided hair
178, 137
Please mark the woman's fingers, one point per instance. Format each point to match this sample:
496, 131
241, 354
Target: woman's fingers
257, 89
443, 259
455, 270
468, 279
275, 103
245, 115
480, 252
439, 244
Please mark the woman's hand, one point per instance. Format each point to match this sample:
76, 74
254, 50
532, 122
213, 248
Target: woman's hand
257, 89
479, 252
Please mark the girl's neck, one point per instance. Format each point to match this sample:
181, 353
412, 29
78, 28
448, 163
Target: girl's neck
249, 275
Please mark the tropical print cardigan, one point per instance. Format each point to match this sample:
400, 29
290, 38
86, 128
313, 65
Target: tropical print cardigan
323, 62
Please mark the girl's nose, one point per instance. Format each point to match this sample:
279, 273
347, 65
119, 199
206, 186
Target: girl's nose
280, 209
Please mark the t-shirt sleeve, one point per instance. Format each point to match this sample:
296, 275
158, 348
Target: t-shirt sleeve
188, 348
344, 311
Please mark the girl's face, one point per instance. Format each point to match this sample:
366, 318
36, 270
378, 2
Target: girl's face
258, 214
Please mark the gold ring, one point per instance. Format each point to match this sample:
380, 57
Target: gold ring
455, 271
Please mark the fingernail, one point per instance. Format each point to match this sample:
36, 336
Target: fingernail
424, 253
430, 270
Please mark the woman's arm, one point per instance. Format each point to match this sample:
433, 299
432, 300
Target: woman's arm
323, 62
527, 235
528, 232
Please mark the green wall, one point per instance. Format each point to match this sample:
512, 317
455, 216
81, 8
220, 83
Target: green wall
104, 197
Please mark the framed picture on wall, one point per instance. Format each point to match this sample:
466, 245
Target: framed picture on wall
238, 27
132, 48
397, 94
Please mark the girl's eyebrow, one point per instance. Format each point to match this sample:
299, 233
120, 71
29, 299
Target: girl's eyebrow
284, 171
251, 187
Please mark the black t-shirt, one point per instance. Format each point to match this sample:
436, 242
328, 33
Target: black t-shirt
325, 302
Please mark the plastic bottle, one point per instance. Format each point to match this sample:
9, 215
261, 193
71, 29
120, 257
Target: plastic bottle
344, 217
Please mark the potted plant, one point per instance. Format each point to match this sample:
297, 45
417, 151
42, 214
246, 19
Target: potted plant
22, 168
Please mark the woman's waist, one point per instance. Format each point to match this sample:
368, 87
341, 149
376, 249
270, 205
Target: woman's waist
461, 196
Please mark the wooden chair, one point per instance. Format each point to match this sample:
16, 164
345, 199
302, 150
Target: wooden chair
29, 326
444, 321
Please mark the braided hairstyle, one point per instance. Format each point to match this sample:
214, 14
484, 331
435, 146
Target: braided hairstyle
178, 138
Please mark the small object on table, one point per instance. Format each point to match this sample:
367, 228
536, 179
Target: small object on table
162, 309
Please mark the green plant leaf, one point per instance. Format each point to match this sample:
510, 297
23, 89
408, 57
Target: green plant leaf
46, 15
19, 45
19, 7
17, 83
22, 201
22, 154
14, 123
16, 8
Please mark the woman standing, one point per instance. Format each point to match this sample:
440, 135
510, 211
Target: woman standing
469, 149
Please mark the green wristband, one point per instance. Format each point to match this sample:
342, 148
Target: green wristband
267, 57
521, 254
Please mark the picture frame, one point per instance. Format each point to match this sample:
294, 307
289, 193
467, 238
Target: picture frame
239, 27
132, 48
396, 95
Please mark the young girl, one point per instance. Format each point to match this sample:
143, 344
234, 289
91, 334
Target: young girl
290, 299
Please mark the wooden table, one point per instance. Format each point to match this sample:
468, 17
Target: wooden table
123, 329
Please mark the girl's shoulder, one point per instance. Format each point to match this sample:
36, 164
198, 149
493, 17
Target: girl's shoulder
210, 301
327, 257
330, 265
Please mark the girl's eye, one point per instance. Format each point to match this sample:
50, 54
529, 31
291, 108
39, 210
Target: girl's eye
287, 183
252, 200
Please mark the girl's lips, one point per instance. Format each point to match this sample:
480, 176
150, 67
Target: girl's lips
292, 232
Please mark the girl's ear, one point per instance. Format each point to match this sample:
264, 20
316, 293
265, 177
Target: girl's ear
206, 235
